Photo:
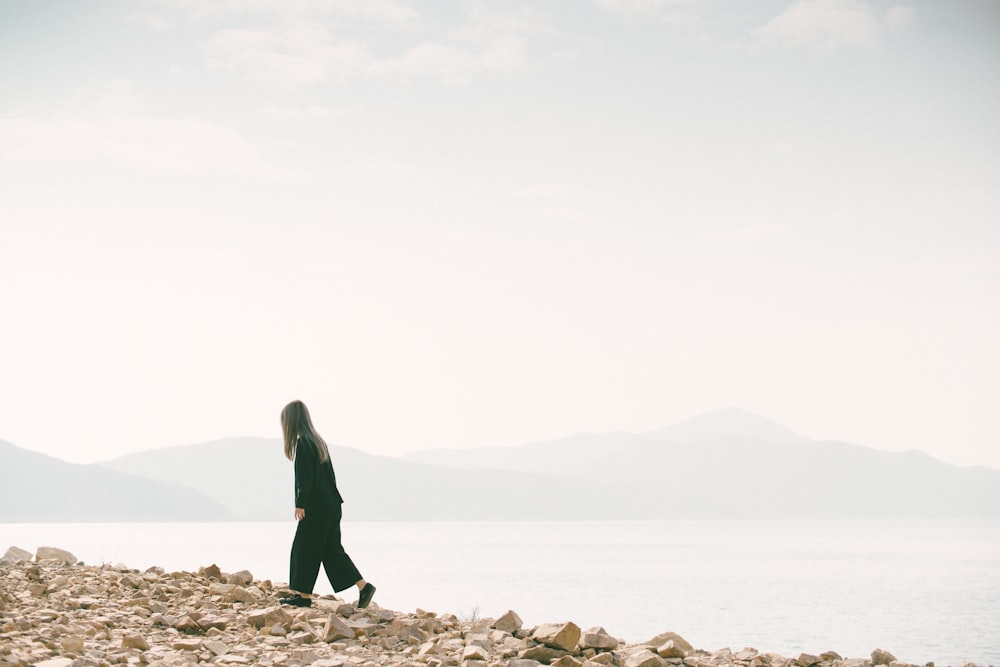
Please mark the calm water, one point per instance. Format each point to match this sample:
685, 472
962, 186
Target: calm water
925, 590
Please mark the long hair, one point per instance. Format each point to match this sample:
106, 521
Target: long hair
295, 423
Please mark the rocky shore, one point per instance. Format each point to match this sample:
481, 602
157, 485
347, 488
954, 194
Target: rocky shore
56, 612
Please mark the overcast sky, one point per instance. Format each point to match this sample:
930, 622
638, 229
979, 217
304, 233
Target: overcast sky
484, 223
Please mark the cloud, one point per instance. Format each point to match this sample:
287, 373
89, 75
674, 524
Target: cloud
287, 57
309, 112
829, 23
384, 11
171, 145
451, 63
298, 53
639, 7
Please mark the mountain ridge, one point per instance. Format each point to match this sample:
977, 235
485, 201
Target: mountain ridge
719, 465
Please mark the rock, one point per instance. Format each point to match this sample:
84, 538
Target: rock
336, 629
186, 644
15, 555
52, 553
241, 578
523, 662
509, 622
807, 659
564, 637
830, 656
135, 641
598, 638
211, 571
55, 662
268, 617
880, 657
644, 658
72, 644
566, 661
475, 652
542, 653
216, 647
670, 650
679, 642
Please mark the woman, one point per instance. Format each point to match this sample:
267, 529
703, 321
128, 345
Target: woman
318, 511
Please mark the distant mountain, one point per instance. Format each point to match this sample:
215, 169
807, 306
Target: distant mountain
577, 453
253, 478
36, 487
727, 464
726, 423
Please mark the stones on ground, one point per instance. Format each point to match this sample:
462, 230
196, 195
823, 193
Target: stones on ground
55, 612
559, 636
880, 657
53, 553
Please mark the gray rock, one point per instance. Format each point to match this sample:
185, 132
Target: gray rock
15, 555
52, 553
554, 635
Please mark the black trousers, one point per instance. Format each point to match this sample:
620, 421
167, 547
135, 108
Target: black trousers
317, 540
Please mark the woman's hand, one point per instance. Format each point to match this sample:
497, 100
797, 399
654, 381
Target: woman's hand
299, 514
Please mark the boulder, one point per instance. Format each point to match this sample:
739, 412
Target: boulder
241, 578
598, 638
475, 652
663, 638
564, 637
808, 659
509, 622
15, 555
336, 629
669, 650
566, 661
210, 571
644, 658
135, 641
542, 653
270, 616
880, 657
523, 662
72, 644
52, 553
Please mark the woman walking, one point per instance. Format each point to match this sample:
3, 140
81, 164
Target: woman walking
318, 511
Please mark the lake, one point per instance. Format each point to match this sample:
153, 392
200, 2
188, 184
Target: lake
926, 590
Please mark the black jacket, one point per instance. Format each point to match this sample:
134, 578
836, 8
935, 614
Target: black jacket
315, 481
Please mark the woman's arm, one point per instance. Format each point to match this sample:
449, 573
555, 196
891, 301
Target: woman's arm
305, 476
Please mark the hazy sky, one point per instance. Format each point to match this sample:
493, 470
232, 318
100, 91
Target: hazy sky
480, 223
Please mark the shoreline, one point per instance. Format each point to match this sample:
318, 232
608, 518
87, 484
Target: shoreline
56, 612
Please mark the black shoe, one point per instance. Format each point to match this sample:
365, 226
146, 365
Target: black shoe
366, 595
296, 601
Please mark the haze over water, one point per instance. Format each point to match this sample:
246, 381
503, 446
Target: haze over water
926, 590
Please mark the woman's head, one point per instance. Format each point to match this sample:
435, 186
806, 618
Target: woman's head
295, 422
